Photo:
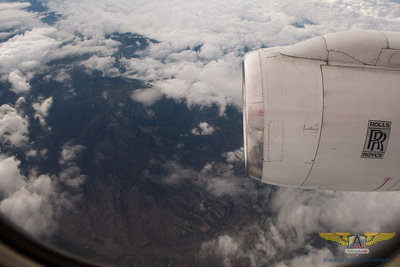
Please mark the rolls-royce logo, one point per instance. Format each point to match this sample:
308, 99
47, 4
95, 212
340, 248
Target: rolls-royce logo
377, 139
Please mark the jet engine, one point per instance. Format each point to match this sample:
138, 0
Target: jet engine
325, 113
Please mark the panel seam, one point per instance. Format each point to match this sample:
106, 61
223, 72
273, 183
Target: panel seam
320, 132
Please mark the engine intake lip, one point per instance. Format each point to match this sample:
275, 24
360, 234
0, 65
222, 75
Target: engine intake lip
253, 115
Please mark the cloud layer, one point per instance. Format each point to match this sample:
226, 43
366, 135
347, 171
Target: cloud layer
287, 233
286, 238
198, 58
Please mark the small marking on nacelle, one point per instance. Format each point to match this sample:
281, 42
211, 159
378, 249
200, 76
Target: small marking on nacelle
387, 179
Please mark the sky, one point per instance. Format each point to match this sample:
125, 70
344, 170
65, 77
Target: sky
196, 60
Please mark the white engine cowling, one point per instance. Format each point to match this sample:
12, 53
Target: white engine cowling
325, 113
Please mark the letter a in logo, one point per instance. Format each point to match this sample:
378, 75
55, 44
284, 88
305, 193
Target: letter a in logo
357, 241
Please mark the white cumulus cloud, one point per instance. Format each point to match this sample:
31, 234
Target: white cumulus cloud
10, 177
27, 201
13, 20
42, 109
18, 82
69, 153
13, 126
71, 174
216, 178
203, 129
103, 64
146, 96
234, 156
27, 51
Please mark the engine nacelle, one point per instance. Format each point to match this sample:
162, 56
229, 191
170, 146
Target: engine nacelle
325, 113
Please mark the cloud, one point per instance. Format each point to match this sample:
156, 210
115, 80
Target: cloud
224, 247
185, 76
216, 178
61, 76
315, 257
72, 177
22, 55
13, 20
18, 82
69, 153
10, 177
235, 156
73, 45
13, 126
27, 51
146, 96
326, 210
31, 207
203, 129
31, 44
42, 108
103, 64
71, 174
27, 201
13, 6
